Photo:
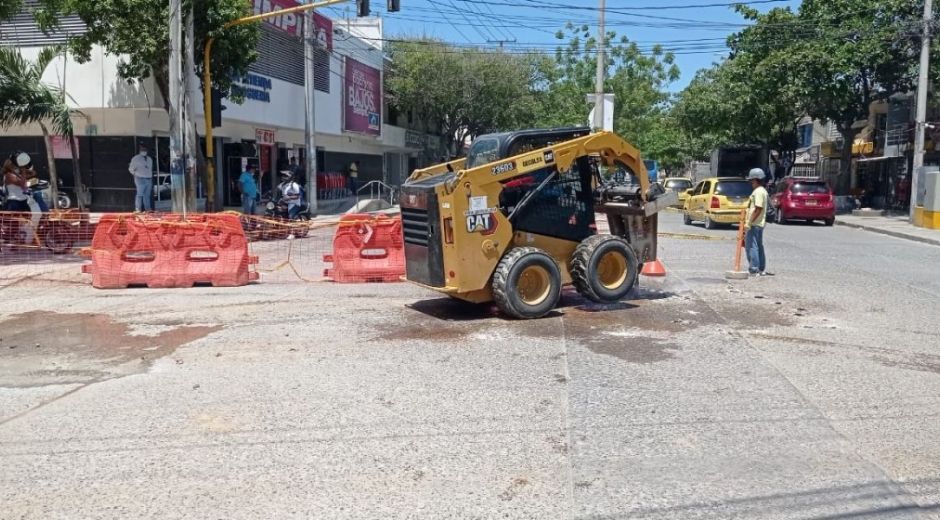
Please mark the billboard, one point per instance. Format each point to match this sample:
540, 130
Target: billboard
362, 99
293, 23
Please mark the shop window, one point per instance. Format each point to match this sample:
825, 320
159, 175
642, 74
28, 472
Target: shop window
321, 70
806, 135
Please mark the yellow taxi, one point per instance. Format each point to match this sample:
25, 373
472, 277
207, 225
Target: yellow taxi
718, 200
679, 185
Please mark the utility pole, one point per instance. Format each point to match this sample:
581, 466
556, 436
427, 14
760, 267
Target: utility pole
310, 122
921, 104
599, 80
178, 192
191, 141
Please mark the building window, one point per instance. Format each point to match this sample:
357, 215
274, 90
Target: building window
806, 135
321, 70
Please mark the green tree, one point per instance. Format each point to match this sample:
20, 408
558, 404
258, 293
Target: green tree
736, 101
464, 92
638, 79
138, 30
835, 57
8, 8
26, 99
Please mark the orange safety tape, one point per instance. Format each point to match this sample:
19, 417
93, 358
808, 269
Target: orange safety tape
290, 263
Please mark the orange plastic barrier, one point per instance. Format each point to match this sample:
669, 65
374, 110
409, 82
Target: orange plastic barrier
367, 248
169, 251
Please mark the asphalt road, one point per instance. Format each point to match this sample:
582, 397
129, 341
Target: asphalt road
811, 394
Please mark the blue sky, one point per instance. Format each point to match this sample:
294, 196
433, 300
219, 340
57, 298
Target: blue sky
694, 31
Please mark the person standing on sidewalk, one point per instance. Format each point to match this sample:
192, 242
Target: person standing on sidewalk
141, 167
353, 181
249, 189
755, 219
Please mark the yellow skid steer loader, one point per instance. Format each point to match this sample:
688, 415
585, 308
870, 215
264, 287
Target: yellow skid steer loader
514, 221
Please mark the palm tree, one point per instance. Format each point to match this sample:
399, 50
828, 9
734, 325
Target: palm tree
25, 99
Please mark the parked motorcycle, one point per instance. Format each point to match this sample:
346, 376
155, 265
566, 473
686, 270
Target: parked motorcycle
44, 188
277, 210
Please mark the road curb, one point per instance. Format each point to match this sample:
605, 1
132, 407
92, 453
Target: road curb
895, 234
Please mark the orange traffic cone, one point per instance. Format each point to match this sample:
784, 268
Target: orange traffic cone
654, 268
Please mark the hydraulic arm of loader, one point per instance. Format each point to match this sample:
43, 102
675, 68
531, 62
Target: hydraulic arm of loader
610, 147
437, 169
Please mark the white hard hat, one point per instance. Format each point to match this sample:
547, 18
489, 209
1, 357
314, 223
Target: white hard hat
756, 173
22, 159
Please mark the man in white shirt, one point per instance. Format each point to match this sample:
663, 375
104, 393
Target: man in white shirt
141, 167
291, 191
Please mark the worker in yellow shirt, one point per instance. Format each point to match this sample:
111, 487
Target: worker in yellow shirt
754, 223
352, 179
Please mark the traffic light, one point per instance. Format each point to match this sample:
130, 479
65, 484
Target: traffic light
394, 6
217, 108
362, 7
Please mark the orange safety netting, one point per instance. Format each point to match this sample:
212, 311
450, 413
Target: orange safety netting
52, 247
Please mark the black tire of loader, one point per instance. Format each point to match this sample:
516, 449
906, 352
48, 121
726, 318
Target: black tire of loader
506, 277
584, 268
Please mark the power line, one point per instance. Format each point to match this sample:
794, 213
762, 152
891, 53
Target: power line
632, 8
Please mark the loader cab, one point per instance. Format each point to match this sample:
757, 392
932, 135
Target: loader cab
558, 206
493, 147
563, 207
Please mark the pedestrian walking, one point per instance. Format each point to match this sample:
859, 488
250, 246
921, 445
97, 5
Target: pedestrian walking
755, 220
352, 181
249, 189
141, 168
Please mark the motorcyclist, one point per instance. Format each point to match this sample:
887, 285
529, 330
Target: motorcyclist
17, 172
291, 193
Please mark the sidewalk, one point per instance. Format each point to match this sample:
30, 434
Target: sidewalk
895, 226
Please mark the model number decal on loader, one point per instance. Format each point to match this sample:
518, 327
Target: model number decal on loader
532, 161
503, 168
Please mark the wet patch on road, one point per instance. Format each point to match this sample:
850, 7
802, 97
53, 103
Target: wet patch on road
643, 350
639, 330
513, 489
419, 330
750, 313
42, 348
891, 358
452, 309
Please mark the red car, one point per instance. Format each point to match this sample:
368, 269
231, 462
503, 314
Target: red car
803, 199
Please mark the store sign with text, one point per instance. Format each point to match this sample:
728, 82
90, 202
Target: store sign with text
362, 99
253, 87
264, 136
293, 22
61, 148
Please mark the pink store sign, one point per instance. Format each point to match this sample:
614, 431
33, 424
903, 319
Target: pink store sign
362, 99
293, 22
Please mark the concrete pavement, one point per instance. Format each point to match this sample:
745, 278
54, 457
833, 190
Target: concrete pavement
895, 226
810, 394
